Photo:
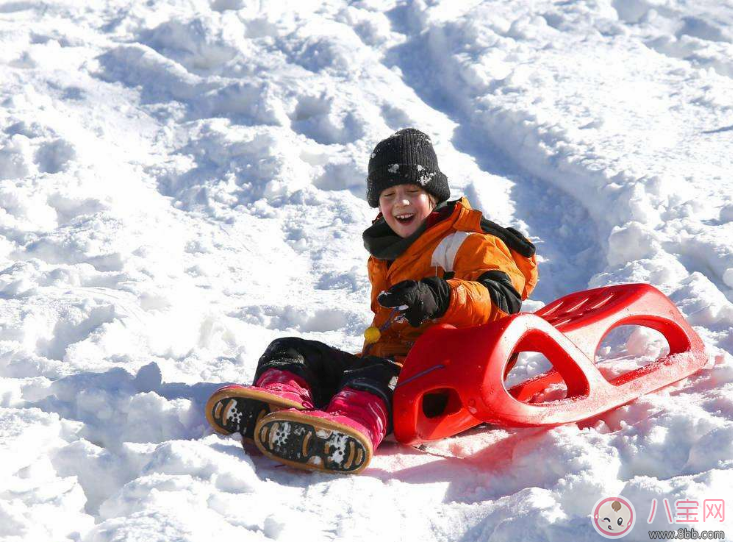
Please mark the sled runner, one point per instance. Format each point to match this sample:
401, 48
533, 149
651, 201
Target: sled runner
453, 379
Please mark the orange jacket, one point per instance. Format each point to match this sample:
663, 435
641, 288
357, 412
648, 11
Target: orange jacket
456, 245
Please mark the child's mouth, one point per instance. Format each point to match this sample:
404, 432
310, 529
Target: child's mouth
405, 219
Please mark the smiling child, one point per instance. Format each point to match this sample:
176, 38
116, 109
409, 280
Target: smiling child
431, 261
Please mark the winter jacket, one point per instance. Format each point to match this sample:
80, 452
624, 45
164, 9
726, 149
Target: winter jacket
488, 279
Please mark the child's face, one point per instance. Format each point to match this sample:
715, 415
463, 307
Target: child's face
405, 207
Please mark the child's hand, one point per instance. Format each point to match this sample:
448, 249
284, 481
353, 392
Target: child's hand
423, 300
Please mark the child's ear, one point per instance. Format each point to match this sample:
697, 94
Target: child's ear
378, 217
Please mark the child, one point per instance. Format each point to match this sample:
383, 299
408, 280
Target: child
318, 408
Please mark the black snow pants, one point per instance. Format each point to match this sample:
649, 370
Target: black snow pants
328, 370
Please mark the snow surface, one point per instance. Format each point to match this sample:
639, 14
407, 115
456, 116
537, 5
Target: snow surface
182, 182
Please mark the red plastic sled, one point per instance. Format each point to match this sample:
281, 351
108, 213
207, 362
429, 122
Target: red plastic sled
462, 370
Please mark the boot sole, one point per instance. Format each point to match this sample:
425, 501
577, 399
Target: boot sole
310, 443
224, 405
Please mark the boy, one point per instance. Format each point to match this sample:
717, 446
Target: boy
318, 408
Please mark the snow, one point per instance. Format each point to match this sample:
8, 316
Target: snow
183, 182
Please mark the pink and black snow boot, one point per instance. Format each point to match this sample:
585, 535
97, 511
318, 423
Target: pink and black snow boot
339, 439
237, 408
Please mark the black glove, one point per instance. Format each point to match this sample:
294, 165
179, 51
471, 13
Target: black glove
424, 300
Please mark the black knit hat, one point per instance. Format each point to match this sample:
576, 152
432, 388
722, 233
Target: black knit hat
405, 157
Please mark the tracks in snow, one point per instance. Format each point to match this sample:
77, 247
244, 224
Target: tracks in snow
565, 234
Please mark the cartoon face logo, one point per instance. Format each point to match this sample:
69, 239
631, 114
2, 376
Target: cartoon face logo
613, 517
